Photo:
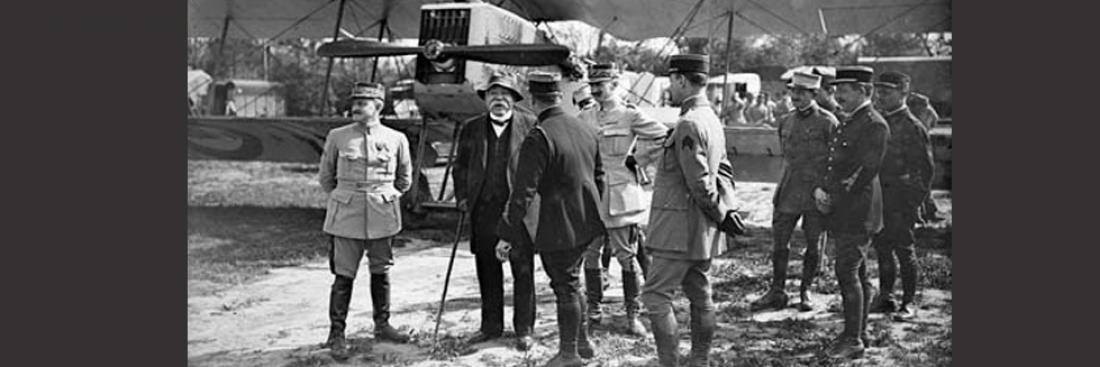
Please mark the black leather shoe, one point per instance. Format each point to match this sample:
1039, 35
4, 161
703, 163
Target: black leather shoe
339, 348
775, 298
883, 305
524, 343
905, 313
481, 337
846, 348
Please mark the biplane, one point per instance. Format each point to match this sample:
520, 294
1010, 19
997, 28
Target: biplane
460, 43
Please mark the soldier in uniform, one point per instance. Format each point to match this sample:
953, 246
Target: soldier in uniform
364, 169
826, 95
691, 214
906, 178
560, 162
488, 151
851, 197
623, 207
921, 108
582, 98
804, 137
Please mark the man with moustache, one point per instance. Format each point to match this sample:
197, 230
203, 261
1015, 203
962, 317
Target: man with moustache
365, 167
692, 215
484, 170
906, 177
804, 137
560, 162
621, 127
851, 197
826, 95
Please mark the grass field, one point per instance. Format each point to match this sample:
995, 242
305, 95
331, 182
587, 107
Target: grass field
249, 219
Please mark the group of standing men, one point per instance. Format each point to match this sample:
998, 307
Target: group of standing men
860, 176
565, 187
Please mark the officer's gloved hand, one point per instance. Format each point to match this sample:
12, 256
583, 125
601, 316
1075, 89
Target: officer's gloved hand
631, 163
732, 225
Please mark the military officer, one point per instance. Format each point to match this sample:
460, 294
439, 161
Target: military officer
921, 107
691, 214
906, 178
622, 207
851, 196
560, 162
488, 151
804, 137
364, 169
826, 95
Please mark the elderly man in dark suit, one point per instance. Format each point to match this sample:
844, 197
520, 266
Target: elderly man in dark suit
852, 197
484, 171
559, 161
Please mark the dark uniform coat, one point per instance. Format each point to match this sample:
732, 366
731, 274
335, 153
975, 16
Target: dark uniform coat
907, 166
804, 137
856, 154
687, 206
560, 162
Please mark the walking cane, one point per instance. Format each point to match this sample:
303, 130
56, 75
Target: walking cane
447, 279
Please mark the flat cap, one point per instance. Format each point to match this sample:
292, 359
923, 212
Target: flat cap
602, 72
893, 79
689, 63
543, 82
363, 90
853, 74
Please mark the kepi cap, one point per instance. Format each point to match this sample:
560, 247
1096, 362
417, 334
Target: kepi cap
543, 82
853, 74
363, 90
689, 63
803, 80
602, 72
893, 79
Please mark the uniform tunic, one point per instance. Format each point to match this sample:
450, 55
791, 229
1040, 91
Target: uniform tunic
624, 202
364, 170
687, 206
804, 137
907, 165
856, 153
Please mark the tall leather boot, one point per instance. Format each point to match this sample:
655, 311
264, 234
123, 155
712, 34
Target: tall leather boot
380, 297
777, 295
593, 282
703, 323
339, 299
569, 324
585, 348
887, 277
810, 264
664, 333
631, 291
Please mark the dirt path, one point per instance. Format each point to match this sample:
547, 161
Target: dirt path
280, 319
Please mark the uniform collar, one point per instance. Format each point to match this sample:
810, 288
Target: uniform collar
897, 110
692, 102
550, 112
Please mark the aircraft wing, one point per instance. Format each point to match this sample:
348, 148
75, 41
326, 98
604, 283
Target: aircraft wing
313, 19
642, 19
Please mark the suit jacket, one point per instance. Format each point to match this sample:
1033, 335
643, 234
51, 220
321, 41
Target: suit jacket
856, 153
687, 202
804, 137
560, 162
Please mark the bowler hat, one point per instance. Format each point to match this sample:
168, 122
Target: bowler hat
803, 80
689, 63
503, 80
893, 79
853, 74
543, 82
602, 72
363, 90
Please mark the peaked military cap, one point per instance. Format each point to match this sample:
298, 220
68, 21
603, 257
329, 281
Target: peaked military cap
363, 90
853, 74
503, 80
602, 72
802, 80
543, 82
893, 79
827, 73
689, 63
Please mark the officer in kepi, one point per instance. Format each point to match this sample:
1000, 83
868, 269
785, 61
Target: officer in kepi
692, 215
365, 168
906, 180
852, 199
804, 138
623, 205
